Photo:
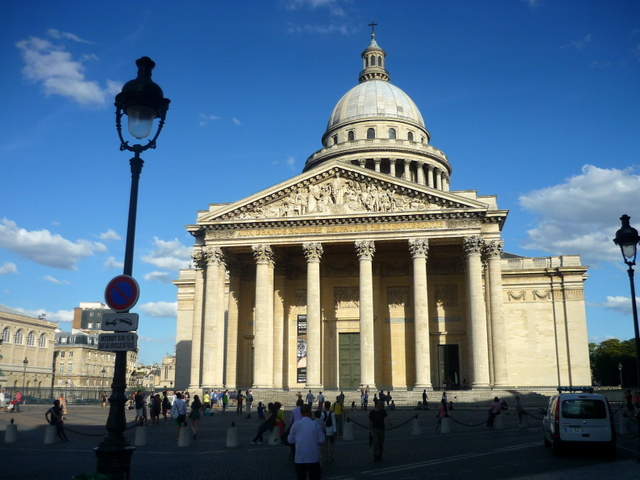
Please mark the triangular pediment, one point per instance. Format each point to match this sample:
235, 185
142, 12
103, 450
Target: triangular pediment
339, 189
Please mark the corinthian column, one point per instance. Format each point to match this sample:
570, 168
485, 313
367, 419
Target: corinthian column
313, 252
477, 313
263, 322
200, 262
365, 250
419, 248
493, 251
213, 327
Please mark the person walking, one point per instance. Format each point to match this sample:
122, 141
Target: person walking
338, 410
166, 405
425, 405
248, 401
178, 413
521, 413
310, 398
194, 416
307, 436
330, 430
225, 400
54, 417
3, 399
378, 419
155, 407
442, 413
104, 399
239, 400
494, 410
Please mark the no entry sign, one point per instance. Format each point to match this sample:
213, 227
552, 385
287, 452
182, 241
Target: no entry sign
122, 293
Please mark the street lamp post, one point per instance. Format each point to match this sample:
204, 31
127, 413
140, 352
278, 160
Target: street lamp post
620, 370
25, 362
142, 100
627, 239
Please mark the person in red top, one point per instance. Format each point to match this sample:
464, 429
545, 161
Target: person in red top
16, 401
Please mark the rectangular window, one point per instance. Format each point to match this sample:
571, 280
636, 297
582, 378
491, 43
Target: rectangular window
62, 354
61, 368
70, 367
71, 354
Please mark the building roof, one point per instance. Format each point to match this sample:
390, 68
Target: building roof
12, 311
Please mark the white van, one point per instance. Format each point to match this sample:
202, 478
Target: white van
575, 416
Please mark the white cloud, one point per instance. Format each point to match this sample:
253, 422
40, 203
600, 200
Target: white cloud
160, 309
59, 316
8, 267
290, 162
171, 255
206, 119
581, 215
162, 277
111, 262
533, 3
333, 5
619, 304
51, 279
109, 235
236, 121
579, 44
45, 248
53, 67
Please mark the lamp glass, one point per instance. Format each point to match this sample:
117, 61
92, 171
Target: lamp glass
629, 250
140, 120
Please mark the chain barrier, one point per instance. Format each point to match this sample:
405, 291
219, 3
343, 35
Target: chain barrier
95, 434
350, 420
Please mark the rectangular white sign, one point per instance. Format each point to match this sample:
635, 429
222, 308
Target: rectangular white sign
117, 342
120, 322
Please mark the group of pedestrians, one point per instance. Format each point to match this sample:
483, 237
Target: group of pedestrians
10, 405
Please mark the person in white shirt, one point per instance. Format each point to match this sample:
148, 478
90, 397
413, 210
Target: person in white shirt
178, 412
3, 399
307, 436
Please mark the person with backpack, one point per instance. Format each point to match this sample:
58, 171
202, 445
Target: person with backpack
248, 400
330, 430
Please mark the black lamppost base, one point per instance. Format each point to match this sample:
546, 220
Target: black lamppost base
114, 462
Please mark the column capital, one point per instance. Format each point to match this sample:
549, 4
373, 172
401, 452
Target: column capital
365, 249
377, 160
263, 253
472, 245
214, 255
430, 167
199, 258
312, 251
362, 162
493, 249
392, 160
419, 247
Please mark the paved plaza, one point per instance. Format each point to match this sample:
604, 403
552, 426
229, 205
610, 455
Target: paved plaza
412, 451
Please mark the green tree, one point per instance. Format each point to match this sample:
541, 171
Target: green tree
605, 358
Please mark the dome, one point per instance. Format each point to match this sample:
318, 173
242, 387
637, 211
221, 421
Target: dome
375, 98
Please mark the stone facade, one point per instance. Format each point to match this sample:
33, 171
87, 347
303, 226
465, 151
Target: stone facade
368, 270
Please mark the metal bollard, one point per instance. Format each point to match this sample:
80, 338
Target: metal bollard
347, 431
141, 436
232, 436
415, 428
50, 434
11, 435
445, 425
274, 438
498, 422
624, 422
184, 439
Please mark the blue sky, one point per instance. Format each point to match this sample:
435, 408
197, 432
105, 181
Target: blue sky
537, 102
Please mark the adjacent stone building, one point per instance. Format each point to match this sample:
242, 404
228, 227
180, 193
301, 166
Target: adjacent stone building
367, 269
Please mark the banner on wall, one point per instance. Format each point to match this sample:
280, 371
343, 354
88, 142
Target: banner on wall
301, 365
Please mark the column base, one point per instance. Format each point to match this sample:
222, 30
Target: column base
423, 386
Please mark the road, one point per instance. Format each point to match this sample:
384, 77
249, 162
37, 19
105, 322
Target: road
471, 450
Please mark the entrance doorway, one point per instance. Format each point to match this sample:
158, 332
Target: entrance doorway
449, 366
349, 358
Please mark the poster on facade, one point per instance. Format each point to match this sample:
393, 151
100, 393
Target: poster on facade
302, 349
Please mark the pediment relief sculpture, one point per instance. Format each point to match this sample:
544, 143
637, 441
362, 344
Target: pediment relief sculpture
336, 195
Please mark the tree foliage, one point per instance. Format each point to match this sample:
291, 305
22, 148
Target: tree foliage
605, 359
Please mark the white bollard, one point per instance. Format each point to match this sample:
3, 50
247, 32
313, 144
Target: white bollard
624, 422
184, 439
445, 425
11, 435
141, 436
232, 437
347, 431
274, 437
50, 434
498, 422
415, 428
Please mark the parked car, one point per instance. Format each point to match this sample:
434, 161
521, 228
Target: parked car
578, 417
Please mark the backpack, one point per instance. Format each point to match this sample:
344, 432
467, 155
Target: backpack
328, 420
